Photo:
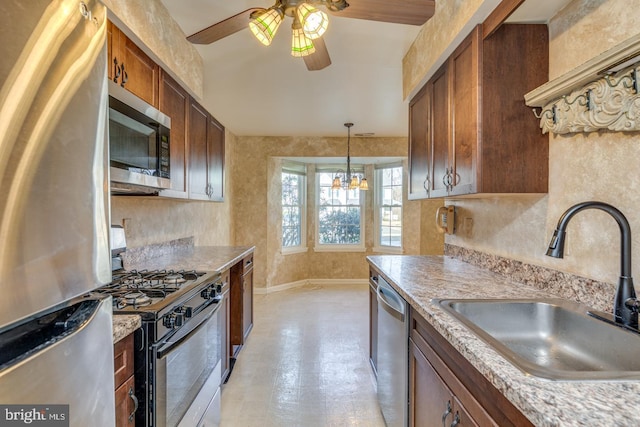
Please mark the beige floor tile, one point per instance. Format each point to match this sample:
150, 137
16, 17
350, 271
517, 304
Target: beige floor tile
305, 362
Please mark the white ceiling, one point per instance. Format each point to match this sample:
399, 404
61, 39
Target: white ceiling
263, 91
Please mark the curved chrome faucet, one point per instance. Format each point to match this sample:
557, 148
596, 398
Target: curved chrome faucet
625, 305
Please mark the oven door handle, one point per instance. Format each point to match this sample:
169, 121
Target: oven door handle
164, 348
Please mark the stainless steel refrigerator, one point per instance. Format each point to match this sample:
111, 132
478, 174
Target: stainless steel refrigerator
55, 336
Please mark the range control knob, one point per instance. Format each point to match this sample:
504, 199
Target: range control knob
169, 320
207, 293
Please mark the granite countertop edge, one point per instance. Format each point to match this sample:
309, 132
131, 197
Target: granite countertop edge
201, 258
423, 279
125, 324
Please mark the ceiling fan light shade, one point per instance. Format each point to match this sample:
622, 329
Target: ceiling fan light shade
265, 25
314, 21
301, 45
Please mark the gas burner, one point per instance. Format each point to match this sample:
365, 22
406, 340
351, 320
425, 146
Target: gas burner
173, 279
137, 299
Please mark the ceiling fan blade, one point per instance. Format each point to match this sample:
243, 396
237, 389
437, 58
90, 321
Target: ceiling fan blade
411, 12
320, 58
223, 28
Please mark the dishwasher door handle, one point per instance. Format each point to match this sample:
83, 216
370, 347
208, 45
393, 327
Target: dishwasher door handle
386, 298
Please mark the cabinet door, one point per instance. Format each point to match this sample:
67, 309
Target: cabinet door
174, 102
197, 131
215, 159
439, 133
125, 404
431, 403
420, 177
139, 72
247, 303
464, 96
130, 67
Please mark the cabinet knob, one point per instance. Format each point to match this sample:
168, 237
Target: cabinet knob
446, 413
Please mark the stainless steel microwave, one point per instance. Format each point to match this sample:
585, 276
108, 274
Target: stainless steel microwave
139, 142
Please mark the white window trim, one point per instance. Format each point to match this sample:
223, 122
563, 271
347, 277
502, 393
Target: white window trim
302, 247
377, 188
318, 247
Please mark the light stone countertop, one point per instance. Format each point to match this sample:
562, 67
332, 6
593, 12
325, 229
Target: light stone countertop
201, 258
125, 324
544, 402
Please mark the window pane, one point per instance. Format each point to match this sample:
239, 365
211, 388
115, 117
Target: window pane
292, 204
339, 213
389, 188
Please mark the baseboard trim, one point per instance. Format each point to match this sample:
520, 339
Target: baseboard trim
300, 283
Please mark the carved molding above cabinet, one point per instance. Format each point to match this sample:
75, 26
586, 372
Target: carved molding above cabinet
601, 94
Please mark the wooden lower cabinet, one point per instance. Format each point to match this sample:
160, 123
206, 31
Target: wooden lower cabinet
126, 403
241, 298
446, 390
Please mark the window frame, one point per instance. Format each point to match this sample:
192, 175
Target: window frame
378, 205
300, 170
330, 247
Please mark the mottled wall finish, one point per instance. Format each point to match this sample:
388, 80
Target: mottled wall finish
157, 219
150, 23
597, 166
452, 21
256, 207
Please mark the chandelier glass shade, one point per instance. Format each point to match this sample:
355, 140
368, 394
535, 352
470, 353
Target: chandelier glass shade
347, 181
265, 25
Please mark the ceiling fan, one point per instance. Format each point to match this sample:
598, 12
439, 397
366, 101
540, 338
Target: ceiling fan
310, 23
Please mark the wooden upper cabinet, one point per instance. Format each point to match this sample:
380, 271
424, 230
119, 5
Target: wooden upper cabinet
419, 152
130, 67
215, 159
174, 102
198, 119
476, 131
206, 155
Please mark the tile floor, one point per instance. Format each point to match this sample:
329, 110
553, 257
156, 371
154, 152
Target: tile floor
305, 362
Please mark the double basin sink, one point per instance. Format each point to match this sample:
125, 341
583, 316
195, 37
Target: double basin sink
551, 338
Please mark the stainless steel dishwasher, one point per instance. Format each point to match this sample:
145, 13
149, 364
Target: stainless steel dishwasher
393, 350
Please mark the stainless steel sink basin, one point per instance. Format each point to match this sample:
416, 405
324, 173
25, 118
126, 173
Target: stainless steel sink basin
553, 339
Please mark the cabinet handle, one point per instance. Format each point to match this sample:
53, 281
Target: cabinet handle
135, 404
427, 185
125, 76
446, 414
116, 70
456, 420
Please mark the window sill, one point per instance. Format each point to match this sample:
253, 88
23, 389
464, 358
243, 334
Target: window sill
339, 248
388, 250
294, 250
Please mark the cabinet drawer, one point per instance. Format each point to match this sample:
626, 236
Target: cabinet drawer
123, 360
247, 264
126, 404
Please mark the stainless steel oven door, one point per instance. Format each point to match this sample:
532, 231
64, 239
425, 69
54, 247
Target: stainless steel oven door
188, 370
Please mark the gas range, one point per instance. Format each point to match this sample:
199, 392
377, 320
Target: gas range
149, 291
180, 345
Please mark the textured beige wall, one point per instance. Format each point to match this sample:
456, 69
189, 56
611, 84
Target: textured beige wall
453, 20
149, 24
256, 207
596, 166
158, 219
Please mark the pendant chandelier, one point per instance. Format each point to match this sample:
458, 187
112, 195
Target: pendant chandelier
347, 181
